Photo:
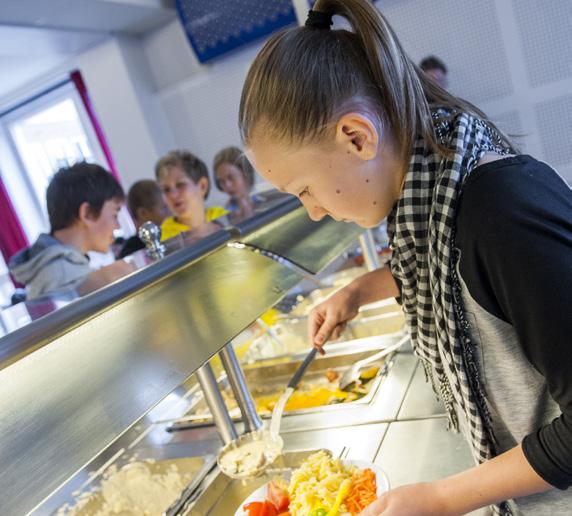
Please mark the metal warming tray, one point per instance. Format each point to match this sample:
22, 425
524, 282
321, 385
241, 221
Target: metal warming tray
268, 379
332, 283
290, 334
159, 460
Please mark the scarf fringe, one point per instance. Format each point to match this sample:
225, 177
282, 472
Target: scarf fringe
468, 349
442, 390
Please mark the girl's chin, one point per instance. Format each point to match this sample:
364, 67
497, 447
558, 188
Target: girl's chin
368, 223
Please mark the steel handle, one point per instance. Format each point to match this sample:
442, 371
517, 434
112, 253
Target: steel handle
293, 383
383, 352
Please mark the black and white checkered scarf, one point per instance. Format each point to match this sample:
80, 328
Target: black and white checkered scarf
421, 228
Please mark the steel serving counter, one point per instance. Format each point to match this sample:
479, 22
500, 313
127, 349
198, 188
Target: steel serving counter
102, 379
75, 380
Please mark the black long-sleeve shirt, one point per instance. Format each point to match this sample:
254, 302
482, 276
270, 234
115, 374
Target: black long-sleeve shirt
514, 233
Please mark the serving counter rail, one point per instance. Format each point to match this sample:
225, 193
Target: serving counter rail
74, 381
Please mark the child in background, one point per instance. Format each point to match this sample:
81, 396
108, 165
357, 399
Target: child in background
83, 202
184, 181
234, 176
146, 204
481, 239
435, 69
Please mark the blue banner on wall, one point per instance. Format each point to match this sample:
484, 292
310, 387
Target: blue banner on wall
215, 27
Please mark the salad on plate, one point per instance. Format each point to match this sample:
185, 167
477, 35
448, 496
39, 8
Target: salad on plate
321, 486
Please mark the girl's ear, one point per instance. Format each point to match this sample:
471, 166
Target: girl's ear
358, 135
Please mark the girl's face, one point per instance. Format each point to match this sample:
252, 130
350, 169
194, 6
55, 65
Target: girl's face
356, 178
181, 193
231, 181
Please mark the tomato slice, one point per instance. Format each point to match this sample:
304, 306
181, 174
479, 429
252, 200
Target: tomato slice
278, 496
253, 508
268, 509
265, 508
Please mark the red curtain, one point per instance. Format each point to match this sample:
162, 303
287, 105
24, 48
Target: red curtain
77, 79
12, 236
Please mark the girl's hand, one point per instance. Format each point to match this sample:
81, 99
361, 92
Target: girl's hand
509, 475
410, 500
329, 318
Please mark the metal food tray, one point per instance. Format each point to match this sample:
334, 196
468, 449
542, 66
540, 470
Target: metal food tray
367, 324
158, 461
316, 296
290, 334
269, 378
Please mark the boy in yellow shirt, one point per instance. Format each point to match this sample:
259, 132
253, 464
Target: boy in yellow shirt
184, 181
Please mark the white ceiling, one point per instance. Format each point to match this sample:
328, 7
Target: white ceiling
126, 16
38, 35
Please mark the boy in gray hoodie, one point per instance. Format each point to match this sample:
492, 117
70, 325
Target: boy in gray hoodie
83, 202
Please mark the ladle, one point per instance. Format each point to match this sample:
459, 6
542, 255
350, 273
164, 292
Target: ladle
250, 454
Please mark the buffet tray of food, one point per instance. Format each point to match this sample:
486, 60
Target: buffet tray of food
319, 390
148, 480
290, 335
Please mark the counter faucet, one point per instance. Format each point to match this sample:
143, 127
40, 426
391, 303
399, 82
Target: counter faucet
151, 235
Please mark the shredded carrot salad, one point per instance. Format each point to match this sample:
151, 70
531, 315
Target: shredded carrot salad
362, 492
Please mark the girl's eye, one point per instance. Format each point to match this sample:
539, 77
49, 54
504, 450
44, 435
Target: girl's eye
306, 191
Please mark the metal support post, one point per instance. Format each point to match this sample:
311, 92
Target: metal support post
214, 400
240, 388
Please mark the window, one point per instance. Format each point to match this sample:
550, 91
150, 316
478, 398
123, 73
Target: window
43, 134
48, 140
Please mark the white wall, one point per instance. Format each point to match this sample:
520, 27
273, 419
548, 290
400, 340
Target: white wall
200, 101
510, 57
134, 125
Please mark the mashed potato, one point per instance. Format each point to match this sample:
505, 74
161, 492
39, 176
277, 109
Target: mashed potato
133, 490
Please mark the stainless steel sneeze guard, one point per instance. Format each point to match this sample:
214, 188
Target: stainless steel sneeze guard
72, 383
310, 245
64, 403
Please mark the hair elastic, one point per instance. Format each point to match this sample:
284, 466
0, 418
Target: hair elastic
318, 20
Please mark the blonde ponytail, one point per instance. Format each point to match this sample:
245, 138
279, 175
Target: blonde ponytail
304, 79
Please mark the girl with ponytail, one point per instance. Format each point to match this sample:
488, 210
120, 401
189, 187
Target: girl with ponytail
481, 238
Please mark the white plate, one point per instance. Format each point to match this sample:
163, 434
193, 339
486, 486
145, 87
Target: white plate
381, 481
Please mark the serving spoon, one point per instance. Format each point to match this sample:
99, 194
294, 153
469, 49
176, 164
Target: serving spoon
261, 447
